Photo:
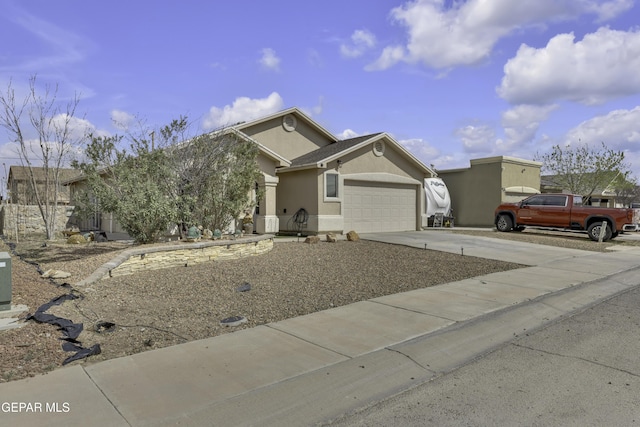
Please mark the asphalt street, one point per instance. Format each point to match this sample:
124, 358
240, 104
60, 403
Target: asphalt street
580, 371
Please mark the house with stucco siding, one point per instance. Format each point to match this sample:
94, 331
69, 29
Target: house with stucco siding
317, 183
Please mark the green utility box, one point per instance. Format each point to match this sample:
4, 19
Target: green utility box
5, 281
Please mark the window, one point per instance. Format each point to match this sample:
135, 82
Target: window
534, 201
556, 201
331, 185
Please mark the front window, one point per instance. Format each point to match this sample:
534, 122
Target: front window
331, 185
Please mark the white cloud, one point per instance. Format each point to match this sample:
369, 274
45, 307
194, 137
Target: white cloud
420, 148
242, 109
477, 140
609, 9
617, 129
347, 133
269, 59
314, 58
603, 66
521, 123
443, 34
121, 119
77, 131
390, 56
78, 128
316, 109
361, 41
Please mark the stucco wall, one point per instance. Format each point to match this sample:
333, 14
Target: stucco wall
476, 191
296, 190
287, 144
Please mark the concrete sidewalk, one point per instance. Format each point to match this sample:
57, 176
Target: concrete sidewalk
311, 369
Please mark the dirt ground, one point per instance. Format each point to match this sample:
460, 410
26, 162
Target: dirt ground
130, 314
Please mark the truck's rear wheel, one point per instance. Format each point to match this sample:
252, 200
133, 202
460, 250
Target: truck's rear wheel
504, 223
594, 232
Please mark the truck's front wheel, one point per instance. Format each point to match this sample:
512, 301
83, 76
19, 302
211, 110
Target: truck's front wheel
504, 223
595, 229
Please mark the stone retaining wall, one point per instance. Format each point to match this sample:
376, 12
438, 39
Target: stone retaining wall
180, 255
26, 220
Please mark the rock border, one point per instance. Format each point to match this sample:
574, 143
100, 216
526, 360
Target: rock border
144, 258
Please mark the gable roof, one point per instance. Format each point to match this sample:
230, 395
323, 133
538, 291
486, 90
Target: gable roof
294, 111
266, 151
328, 151
337, 149
21, 173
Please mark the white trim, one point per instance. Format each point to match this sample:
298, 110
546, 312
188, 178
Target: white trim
340, 188
289, 127
318, 223
267, 224
380, 152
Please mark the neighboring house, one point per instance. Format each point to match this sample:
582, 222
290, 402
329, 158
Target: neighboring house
315, 183
603, 197
477, 191
21, 190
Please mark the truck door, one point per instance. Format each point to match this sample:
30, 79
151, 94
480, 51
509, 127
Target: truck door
548, 210
528, 210
557, 210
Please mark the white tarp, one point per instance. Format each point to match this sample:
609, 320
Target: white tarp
438, 198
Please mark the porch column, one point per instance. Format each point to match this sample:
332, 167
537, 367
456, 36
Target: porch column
266, 220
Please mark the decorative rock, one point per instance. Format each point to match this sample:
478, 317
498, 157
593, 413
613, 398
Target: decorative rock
331, 238
101, 327
245, 287
207, 234
217, 234
352, 236
56, 274
233, 321
76, 239
193, 234
312, 239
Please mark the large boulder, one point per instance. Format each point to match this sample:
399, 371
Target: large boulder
331, 238
352, 236
312, 239
76, 239
56, 274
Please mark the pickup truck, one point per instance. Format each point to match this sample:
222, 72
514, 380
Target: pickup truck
564, 211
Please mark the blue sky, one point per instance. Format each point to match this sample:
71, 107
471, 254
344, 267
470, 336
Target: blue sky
451, 80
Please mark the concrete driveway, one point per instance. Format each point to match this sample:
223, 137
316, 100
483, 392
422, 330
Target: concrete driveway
482, 247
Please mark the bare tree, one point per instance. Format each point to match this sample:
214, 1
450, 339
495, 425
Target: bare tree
583, 170
42, 128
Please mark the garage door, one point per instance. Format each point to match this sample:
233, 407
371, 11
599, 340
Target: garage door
375, 207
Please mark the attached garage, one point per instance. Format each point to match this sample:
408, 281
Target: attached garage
370, 207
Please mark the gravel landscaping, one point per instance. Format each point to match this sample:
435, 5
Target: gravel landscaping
171, 306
